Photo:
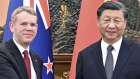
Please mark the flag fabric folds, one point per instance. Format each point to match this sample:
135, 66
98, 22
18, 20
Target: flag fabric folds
42, 43
87, 30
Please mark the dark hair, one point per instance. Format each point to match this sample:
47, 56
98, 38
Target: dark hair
112, 5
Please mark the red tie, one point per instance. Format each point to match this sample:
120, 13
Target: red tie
27, 63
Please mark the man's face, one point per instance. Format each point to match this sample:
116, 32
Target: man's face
25, 28
111, 25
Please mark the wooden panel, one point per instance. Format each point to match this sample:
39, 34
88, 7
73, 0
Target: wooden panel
62, 63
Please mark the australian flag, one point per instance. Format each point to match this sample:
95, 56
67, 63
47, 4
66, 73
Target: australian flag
42, 43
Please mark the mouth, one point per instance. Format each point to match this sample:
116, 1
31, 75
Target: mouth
111, 32
28, 35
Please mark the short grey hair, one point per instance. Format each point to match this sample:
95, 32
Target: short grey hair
22, 9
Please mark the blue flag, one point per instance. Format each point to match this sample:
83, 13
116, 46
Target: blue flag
42, 43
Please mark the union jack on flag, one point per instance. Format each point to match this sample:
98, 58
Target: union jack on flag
42, 43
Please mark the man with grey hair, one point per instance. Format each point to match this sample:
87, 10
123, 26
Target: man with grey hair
113, 56
17, 61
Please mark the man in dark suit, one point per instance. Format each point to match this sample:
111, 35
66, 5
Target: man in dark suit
17, 61
113, 56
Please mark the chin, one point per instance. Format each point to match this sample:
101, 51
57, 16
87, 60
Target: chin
28, 41
111, 37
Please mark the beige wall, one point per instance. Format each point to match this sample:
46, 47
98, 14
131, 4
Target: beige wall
4, 4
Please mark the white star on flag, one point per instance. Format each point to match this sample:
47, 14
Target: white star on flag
49, 66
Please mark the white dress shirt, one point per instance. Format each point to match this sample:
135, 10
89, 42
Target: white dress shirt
115, 51
21, 49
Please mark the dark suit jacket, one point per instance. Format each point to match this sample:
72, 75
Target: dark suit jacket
12, 65
90, 63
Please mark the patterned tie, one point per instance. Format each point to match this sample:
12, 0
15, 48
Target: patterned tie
109, 62
27, 63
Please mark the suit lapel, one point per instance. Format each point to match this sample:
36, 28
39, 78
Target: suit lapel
122, 57
35, 64
18, 57
98, 59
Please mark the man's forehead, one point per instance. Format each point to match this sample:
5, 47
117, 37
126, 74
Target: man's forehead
112, 12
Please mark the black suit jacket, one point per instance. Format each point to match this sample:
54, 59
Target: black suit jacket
90, 63
12, 65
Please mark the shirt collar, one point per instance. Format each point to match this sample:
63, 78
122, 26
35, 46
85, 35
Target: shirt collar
116, 45
21, 49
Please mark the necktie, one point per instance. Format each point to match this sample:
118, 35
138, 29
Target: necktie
109, 62
27, 63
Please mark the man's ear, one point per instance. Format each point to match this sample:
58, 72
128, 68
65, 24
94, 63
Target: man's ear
37, 26
125, 23
11, 26
98, 20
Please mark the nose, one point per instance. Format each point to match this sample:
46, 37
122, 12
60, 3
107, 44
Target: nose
111, 25
29, 27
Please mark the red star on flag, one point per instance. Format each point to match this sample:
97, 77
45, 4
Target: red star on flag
49, 66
